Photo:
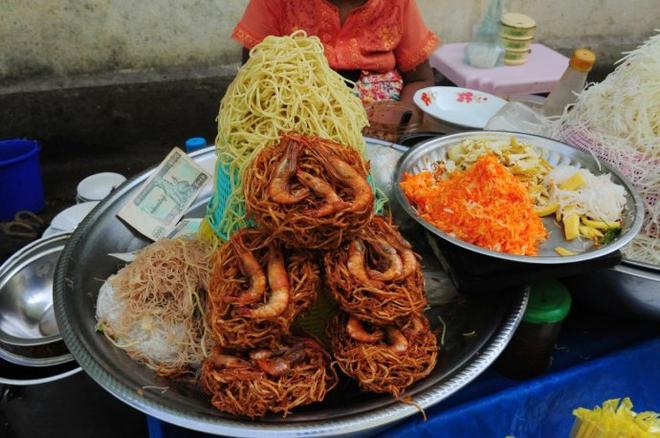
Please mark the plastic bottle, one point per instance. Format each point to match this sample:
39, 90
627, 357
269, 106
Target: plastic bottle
530, 351
571, 82
484, 51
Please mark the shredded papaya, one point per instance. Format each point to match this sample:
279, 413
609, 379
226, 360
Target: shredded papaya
484, 205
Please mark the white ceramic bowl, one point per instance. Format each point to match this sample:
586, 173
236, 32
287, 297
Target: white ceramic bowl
463, 107
96, 187
68, 219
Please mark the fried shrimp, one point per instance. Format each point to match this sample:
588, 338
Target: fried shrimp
275, 367
356, 263
324, 190
295, 372
224, 360
293, 279
356, 330
339, 200
389, 365
395, 264
362, 193
279, 285
376, 277
250, 268
281, 361
404, 249
409, 263
280, 186
398, 342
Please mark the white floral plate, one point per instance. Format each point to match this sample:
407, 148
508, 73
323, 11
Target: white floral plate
459, 106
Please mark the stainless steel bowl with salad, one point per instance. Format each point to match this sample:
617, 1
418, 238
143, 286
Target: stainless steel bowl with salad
518, 197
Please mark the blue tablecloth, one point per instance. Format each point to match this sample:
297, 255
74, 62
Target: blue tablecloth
595, 359
542, 407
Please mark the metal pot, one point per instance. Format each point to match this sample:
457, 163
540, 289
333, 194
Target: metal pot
628, 289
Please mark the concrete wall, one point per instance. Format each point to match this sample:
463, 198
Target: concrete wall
62, 37
68, 37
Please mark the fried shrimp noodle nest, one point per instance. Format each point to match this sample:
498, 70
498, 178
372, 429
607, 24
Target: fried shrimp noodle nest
383, 360
309, 192
376, 276
293, 373
257, 289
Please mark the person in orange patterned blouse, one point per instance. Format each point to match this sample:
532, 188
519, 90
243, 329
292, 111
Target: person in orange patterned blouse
382, 45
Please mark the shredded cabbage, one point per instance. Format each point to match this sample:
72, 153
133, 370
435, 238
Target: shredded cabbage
618, 120
600, 198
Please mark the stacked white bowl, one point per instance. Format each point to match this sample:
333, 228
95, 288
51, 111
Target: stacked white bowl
96, 187
89, 193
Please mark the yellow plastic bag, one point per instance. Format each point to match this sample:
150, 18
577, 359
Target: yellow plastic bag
615, 419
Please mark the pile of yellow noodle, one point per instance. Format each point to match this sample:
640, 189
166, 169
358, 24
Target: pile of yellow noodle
285, 86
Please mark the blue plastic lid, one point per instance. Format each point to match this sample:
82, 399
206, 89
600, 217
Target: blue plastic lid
194, 143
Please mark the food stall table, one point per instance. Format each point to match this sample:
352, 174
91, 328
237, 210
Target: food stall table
596, 358
543, 69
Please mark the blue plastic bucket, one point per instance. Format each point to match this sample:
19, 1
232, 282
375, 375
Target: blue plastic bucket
20, 178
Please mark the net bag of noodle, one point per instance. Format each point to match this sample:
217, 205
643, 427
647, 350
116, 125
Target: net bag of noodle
292, 373
257, 289
309, 192
383, 360
376, 276
153, 308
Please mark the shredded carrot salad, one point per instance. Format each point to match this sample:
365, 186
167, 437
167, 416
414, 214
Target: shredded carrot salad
485, 205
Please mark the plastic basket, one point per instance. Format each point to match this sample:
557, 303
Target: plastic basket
218, 204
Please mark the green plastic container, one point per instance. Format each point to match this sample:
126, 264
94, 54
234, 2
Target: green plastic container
529, 353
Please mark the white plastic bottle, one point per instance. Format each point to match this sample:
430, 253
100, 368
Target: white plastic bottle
572, 82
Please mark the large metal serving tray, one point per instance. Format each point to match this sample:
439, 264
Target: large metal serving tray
489, 320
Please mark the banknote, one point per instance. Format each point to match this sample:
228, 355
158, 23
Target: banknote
163, 199
186, 229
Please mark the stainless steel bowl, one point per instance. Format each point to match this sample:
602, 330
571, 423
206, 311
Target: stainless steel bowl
28, 331
423, 156
16, 375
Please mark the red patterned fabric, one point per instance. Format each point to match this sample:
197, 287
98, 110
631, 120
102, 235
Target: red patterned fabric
375, 87
379, 36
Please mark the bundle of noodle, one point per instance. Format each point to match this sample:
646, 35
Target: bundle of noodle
376, 276
293, 373
153, 308
309, 192
257, 289
383, 360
